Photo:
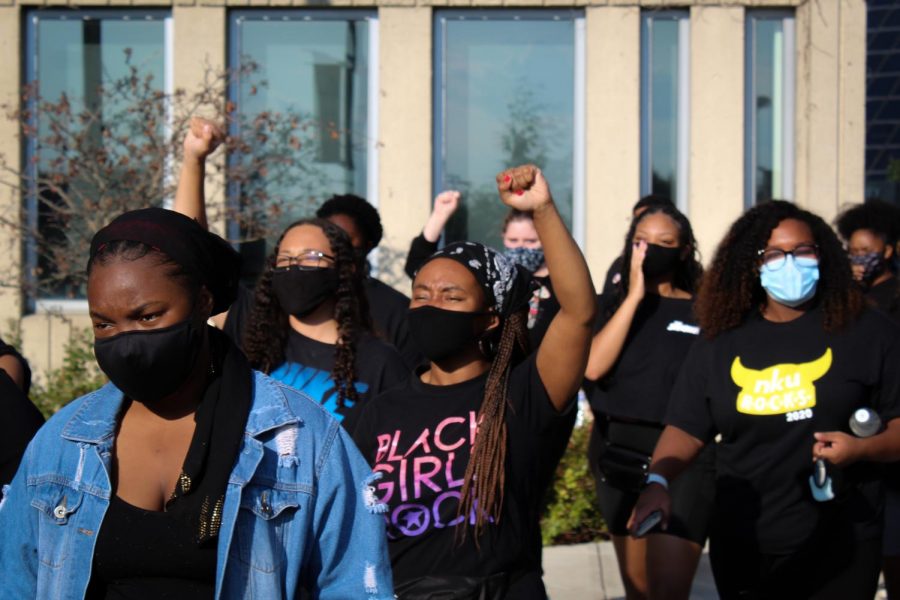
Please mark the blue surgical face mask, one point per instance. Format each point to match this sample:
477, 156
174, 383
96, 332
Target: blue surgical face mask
529, 258
794, 283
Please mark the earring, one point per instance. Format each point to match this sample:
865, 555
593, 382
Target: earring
487, 347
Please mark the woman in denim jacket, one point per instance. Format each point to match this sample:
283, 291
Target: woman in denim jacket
189, 475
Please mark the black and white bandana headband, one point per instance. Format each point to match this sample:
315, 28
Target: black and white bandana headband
506, 286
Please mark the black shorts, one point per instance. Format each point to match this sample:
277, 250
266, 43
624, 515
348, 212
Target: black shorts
692, 493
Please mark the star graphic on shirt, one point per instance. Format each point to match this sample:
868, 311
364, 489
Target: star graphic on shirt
414, 518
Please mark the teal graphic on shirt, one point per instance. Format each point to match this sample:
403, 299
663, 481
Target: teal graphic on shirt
318, 384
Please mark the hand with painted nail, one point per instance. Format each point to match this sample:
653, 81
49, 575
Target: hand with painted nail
202, 139
445, 204
524, 188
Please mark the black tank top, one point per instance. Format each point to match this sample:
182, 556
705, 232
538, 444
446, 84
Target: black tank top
144, 554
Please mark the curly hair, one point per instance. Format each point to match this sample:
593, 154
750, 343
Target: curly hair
266, 334
880, 218
484, 483
363, 214
731, 289
689, 270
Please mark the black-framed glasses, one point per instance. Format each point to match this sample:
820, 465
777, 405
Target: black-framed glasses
775, 258
307, 259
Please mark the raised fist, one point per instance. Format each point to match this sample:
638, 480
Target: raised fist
446, 203
202, 138
523, 188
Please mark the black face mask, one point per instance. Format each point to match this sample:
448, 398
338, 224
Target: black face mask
301, 290
153, 364
440, 333
660, 260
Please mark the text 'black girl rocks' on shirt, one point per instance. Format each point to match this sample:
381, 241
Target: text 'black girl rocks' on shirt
420, 436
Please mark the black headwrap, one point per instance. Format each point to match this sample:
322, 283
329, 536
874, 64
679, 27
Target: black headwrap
221, 416
204, 254
507, 287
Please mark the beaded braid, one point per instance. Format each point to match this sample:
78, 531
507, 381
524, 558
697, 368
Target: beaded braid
485, 479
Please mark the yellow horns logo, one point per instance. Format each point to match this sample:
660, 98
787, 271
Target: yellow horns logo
778, 389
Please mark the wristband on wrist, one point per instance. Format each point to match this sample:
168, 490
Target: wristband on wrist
657, 478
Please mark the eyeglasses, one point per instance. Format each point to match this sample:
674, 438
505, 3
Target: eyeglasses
774, 258
306, 259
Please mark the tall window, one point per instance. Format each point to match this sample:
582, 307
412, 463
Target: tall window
84, 72
883, 101
508, 91
769, 106
312, 73
665, 110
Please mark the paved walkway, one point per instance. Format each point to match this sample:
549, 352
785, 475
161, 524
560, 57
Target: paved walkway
589, 572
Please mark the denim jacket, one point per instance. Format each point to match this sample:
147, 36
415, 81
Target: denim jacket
298, 513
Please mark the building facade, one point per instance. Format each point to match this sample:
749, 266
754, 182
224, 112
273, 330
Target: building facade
717, 103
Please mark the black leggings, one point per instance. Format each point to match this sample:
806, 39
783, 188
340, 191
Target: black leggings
828, 567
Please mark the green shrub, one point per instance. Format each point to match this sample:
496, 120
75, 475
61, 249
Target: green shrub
572, 516
77, 376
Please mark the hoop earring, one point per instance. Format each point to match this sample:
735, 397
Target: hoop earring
487, 347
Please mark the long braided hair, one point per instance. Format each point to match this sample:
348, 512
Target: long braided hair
731, 290
485, 480
266, 334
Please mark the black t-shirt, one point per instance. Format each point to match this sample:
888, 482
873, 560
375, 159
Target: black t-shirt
7, 350
420, 437
388, 308
766, 388
886, 297
21, 420
308, 363
639, 383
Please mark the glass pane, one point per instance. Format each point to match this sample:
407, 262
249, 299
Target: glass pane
508, 100
768, 105
661, 105
311, 77
98, 80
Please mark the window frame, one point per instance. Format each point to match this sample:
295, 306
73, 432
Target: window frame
683, 115
234, 51
32, 18
788, 108
439, 86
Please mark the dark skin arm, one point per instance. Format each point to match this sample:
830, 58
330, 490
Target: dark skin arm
563, 354
14, 369
842, 449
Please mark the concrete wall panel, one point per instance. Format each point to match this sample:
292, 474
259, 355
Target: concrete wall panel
613, 131
716, 171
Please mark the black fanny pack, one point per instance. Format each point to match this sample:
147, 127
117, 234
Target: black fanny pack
623, 467
620, 466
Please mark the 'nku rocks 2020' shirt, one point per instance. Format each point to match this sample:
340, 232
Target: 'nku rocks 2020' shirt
767, 388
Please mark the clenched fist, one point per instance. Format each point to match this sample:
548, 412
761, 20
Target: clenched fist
524, 188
